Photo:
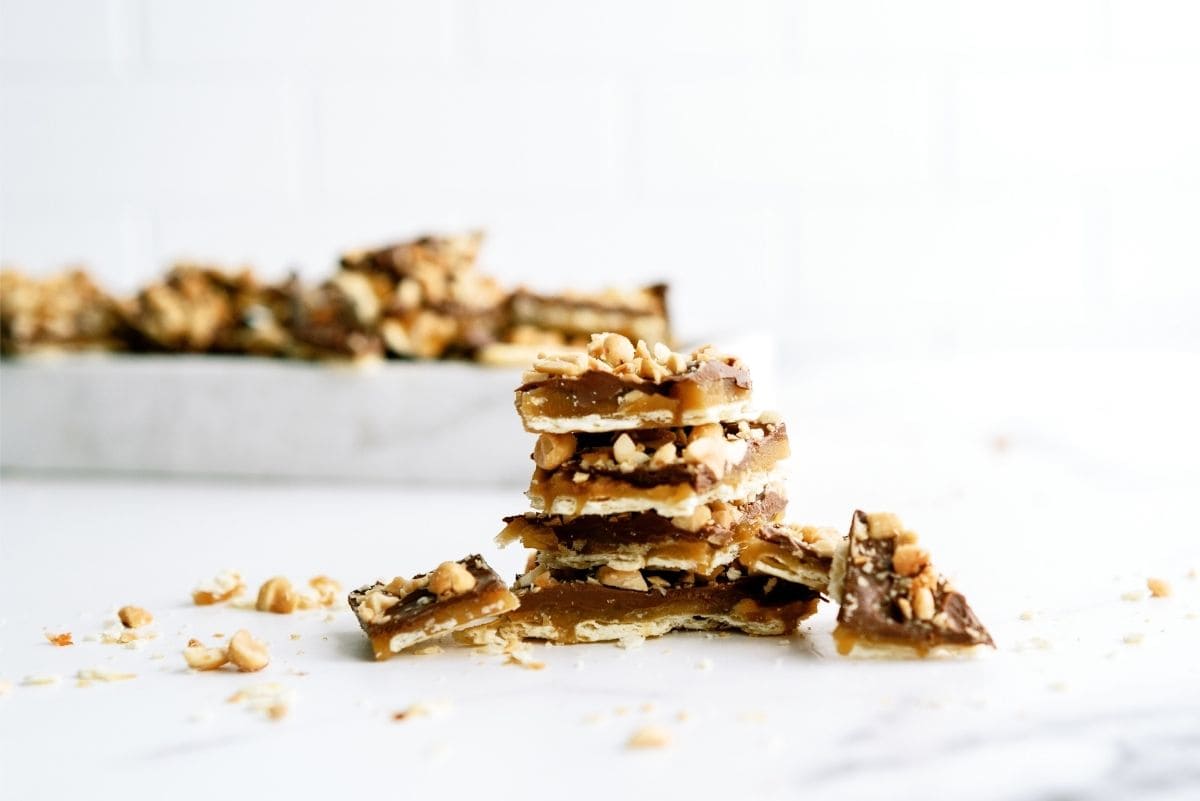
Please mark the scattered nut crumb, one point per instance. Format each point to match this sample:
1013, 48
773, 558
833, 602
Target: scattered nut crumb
103, 674
1133, 595
1133, 639
328, 590
423, 710
1026, 615
200, 657
704, 664
649, 737
276, 595
59, 639
41, 680
683, 715
133, 617
272, 699
294, 636
5, 687
220, 587
1058, 686
1159, 588
247, 653
646, 708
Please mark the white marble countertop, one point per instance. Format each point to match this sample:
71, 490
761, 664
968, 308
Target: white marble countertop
1049, 487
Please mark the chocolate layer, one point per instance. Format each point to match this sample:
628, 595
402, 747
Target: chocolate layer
799, 554
892, 596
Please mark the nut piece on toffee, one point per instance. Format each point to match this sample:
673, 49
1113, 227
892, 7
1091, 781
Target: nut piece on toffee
404, 612
893, 600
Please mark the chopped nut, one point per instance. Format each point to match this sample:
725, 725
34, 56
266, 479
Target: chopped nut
328, 590
133, 617
198, 657
247, 653
59, 639
41, 680
905, 608
566, 366
617, 350
650, 737
909, 560
221, 587
697, 520
622, 579
376, 603
1159, 588
450, 579
707, 451
551, 450
628, 454
922, 603
276, 595
665, 455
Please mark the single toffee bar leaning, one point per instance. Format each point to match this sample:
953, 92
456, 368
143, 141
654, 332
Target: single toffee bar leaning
405, 612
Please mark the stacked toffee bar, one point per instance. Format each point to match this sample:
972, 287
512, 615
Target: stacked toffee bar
657, 505
654, 478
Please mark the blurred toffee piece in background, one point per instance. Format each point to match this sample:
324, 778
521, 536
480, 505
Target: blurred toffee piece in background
421, 299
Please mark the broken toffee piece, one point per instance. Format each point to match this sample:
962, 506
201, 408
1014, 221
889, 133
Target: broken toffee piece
572, 606
671, 471
405, 612
799, 554
699, 543
571, 317
618, 386
893, 602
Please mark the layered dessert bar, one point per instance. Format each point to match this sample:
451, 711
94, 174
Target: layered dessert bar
576, 606
62, 312
618, 385
671, 471
893, 601
405, 612
571, 317
700, 543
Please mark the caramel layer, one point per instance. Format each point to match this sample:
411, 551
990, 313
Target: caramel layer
579, 611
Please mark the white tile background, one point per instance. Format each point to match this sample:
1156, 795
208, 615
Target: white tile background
858, 176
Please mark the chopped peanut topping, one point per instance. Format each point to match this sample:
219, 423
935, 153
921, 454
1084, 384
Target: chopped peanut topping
622, 579
450, 579
60, 639
551, 450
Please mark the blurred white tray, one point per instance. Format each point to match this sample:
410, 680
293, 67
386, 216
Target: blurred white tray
435, 422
